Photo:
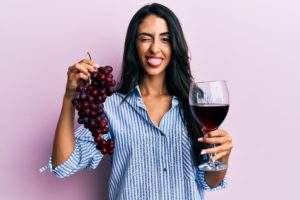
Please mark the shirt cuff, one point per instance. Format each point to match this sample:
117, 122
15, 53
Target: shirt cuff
65, 169
200, 179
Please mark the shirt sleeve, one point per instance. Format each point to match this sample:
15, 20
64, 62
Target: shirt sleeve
84, 156
202, 184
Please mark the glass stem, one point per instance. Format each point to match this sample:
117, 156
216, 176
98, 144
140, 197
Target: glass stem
210, 156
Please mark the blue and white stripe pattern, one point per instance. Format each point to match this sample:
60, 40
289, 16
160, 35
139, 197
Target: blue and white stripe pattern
149, 162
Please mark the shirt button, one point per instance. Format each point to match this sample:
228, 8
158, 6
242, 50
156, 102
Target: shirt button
165, 169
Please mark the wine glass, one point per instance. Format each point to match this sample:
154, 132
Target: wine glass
209, 103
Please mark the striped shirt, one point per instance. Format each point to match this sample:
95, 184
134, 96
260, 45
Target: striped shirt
149, 162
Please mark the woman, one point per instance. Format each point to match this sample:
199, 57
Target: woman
157, 141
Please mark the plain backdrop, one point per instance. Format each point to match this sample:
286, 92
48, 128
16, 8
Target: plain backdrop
253, 44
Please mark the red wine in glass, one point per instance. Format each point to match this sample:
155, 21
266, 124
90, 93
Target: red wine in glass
209, 103
210, 116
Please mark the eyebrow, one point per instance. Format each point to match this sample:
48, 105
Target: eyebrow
148, 34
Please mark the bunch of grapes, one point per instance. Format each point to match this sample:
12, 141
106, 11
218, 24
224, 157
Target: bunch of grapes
89, 104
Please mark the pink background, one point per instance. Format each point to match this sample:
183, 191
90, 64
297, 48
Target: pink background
254, 45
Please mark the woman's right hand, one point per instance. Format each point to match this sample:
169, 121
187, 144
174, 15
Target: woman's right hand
80, 70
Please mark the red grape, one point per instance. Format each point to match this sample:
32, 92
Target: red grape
92, 123
102, 91
105, 71
113, 83
100, 69
94, 76
98, 139
90, 98
85, 119
93, 106
97, 132
80, 88
98, 118
108, 80
93, 114
99, 99
104, 130
83, 96
94, 92
89, 88
80, 120
103, 123
100, 105
87, 111
81, 114
103, 151
109, 68
85, 104
101, 77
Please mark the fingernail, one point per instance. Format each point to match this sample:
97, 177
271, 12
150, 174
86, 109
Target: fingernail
203, 152
200, 139
96, 65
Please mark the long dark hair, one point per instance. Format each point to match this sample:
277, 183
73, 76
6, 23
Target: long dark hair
178, 73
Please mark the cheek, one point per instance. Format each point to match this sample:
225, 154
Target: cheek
168, 53
141, 50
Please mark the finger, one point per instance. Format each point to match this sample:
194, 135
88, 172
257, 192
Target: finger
214, 140
217, 137
220, 155
72, 69
82, 69
89, 62
217, 133
82, 76
89, 67
214, 150
217, 149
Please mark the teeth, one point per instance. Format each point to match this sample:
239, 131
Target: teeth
154, 61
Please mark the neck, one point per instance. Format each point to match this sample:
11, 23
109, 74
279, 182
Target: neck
153, 86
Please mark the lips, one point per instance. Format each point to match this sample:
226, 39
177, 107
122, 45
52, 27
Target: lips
154, 61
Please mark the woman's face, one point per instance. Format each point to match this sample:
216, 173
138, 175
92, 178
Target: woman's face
153, 45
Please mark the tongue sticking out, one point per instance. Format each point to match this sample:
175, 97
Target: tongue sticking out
154, 61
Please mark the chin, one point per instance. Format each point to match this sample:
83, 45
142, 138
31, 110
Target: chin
150, 71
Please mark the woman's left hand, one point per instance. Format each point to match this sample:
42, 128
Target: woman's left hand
223, 143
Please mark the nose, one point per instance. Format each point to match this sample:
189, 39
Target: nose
155, 47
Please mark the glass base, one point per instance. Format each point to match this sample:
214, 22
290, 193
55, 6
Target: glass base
211, 166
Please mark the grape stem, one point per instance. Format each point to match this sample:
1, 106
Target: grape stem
89, 55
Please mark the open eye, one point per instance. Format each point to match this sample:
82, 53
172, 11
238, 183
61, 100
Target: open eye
165, 39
